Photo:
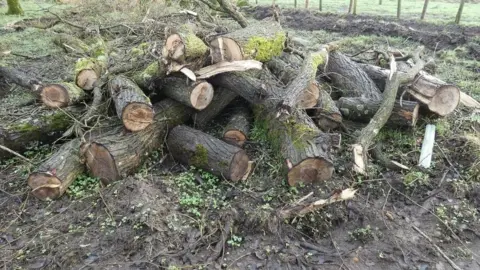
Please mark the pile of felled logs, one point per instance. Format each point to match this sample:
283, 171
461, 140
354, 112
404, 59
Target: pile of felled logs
290, 97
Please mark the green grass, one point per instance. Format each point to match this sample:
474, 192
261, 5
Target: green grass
32, 9
437, 12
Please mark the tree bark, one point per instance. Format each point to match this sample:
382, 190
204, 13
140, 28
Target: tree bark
146, 78
26, 124
203, 151
356, 109
182, 46
88, 71
197, 95
132, 105
260, 41
20, 78
113, 155
424, 10
399, 8
326, 114
238, 126
350, 78
354, 7
236, 15
14, 7
440, 97
62, 94
459, 12
52, 178
221, 98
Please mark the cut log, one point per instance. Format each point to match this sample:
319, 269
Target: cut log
19, 78
440, 97
52, 178
132, 105
325, 113
197, 95
195, 148
62, 94
299, 142
88, 71
145, 79
113, 155
405, 114
238, 126
20, 126
260, 41
350, 78
221, 98
184, 47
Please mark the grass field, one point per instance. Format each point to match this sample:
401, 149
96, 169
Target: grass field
437, 12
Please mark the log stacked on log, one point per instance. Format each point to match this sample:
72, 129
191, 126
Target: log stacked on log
238, 126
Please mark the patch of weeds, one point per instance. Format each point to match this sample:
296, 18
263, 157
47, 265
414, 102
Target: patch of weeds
84, 186
443, 127
108, 226
457, 217
415, 178
235, 241
363, 234
151, 160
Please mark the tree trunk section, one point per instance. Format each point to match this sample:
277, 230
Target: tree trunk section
132, 105
19, 78
14, 7
221, 98
52, 178
88, 71
195, 148
62, 94
424, 10
326, 114
116, 154
238, 126
197, 95
184, 47
145, 79
355, 109
21, 126
355, 7
260, 41
320, 5
350, 78
459, 12
350, 7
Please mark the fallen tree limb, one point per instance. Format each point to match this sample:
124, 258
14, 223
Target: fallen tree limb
223, 67
235, 14
88, 71
20, 78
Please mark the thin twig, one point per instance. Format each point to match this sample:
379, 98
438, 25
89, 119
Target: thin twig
14, 153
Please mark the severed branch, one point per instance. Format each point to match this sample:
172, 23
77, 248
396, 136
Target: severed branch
20, 78
236, 15
367, 135
302, 209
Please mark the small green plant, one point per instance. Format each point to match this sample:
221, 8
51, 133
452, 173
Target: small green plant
456, 217
83, 186
235, 241
414, 178
362, 234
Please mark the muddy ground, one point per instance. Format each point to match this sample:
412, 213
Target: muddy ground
170, 217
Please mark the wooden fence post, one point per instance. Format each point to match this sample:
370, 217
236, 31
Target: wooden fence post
425, 5
399, 8
459, 13
320, 5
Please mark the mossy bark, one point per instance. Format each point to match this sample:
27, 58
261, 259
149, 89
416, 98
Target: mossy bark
145, 79
61, 94
113, 155
21, 126
71, 44
182, 46
88, 71
52, 178
14, 7
206, 152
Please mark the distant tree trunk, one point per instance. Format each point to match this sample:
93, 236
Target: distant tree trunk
380, 2
459, 13
14, 7
399, 8
295, 3
306, 3
354, 7
425, 5
350, 7
320, 5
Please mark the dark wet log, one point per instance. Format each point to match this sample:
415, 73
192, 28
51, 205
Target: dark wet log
132, 105
361, 110
88, 71
300, 143
195, 148
197, 95
350, 78
113, 155
238, 126
260, 41
182, 46
20, 126
52, 178
440, 97
145, 78
62, 94
325, 113
221, 98
19, 78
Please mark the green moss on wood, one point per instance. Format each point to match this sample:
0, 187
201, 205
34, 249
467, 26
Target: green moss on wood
200, 157
263, 49
14, 7
195, 47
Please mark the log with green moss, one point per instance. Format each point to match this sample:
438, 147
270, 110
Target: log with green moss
197, 95
300, 144
183, 47
14, 7
133, 107
113, 155
21, 126
88, 71
238, 126
221, 98
195, 148
52, 178
145, 78
260, 41
62, 94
